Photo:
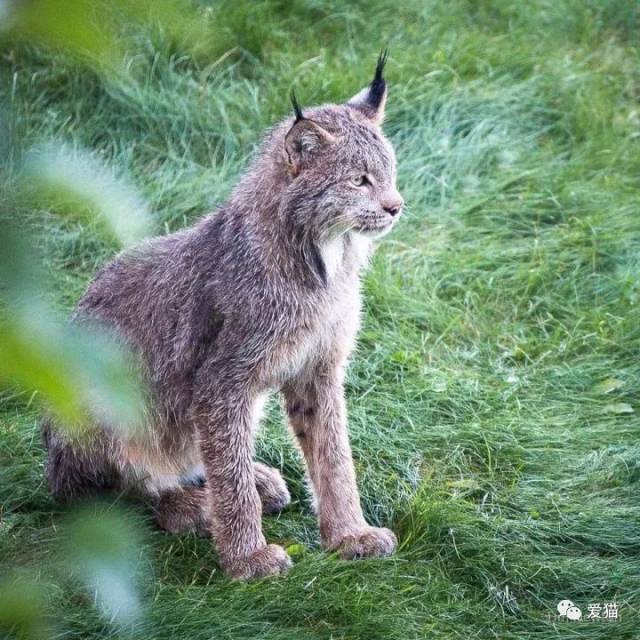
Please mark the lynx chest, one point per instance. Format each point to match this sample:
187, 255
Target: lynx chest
317, 329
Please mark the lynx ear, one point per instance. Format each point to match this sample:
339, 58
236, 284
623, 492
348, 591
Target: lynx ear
372, 99
304, 139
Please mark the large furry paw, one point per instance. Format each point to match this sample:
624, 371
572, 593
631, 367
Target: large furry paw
272, 489
368, 542
182, 509
271, 560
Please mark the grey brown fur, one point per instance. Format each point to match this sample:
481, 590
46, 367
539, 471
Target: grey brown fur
261, 296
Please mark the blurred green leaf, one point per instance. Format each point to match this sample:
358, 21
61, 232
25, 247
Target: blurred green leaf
31, 359
95, 31
69, 25
103, 549
22, 609
79, 373
74, 183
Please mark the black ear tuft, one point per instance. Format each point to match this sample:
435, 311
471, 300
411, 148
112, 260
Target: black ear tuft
372, 99
378, 86
296, 107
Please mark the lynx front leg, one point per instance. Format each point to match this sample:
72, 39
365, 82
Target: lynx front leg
226, 445
317, 416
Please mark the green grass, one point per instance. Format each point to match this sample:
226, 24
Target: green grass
494, 396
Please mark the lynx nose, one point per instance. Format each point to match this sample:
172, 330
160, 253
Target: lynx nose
392, 203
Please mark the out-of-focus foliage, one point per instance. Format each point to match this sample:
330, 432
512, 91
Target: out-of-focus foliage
99, 551
102, 548
92, 30
77, 372
75, 183
22, 609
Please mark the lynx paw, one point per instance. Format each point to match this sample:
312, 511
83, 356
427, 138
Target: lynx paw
369, 542
273, 491
271, 560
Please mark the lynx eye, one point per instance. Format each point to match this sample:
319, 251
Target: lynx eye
361, 180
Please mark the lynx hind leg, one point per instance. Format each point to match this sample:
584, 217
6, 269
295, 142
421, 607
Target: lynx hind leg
75, 469
272, 488
183, 509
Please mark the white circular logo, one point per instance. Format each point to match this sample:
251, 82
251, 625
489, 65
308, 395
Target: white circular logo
563, 607
573, 613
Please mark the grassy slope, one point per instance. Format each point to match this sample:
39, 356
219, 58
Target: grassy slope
484, 428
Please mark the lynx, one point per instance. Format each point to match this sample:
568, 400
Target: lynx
260, 296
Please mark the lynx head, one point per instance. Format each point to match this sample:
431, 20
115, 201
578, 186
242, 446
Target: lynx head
341, 168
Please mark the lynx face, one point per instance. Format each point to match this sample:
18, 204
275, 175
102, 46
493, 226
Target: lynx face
339, 155
363, 196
